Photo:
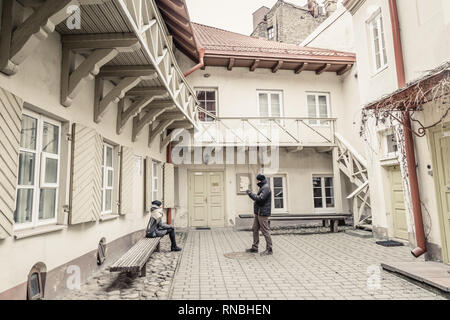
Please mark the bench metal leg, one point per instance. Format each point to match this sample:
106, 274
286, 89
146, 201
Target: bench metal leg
334, 226
143, 272
158, 247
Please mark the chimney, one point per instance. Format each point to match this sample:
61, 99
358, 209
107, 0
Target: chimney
330, 6
259, 15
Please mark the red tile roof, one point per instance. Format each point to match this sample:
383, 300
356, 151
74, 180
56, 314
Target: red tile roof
221, 42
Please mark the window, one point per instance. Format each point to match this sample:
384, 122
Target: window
319, 107
156, 180
323, 190
270, 104
34, 286
38, 177
107, 179
208, 101
391, 145
278, 187
270, 33
378, 43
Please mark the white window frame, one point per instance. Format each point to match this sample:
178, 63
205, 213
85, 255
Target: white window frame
324, 208
156, 178
377, 19
269, 93
285, 196
105, 170
217, 101
318, 123
271, 33
39, 172
386, 153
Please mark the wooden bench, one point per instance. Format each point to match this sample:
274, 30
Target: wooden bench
134, 261
331, 219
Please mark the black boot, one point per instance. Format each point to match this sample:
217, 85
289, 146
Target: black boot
174, 248
267, 253
252, 250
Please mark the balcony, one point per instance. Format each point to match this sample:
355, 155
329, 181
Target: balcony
260, 131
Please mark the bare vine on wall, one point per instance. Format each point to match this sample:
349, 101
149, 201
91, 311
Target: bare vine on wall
390, 111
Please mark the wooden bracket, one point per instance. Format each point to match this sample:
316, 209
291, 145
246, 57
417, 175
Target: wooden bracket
149, 115
277, 66
254, 65
101, 49
344, 69
301, 67
323, 68
19, 41
164, 123
127, 77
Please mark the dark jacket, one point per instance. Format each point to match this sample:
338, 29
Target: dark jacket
263, 200
155, 228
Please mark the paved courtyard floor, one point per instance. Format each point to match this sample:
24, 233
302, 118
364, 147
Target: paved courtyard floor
318, 266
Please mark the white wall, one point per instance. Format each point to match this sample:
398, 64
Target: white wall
425, 26
38, 84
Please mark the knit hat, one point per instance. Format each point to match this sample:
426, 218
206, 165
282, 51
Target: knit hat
157, 203
261, 177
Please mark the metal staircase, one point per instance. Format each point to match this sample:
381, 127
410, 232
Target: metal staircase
354, 166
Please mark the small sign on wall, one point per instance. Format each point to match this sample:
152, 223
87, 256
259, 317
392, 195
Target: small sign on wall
243, 183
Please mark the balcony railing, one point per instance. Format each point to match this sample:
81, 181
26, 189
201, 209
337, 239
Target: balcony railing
280, 131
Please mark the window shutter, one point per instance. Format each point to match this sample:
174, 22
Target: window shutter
126, 180
148, 184
10, 122
169, 186
86, 180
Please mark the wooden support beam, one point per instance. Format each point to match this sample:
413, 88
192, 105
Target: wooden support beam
162, 126
254, 65
18, 42
151, 114
344, 69
130, 77
112, 72
126, 42
115, 95
277, 66
294, 149
181, 125
323, 68
148, 118
231, 64
301, 67
72, 82
105, 48
146, 91
135, 108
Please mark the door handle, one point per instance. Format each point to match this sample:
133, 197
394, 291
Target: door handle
206, 200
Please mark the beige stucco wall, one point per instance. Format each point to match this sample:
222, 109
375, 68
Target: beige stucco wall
298, 168
38, 84
425, 26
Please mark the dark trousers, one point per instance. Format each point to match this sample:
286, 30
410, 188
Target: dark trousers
261, 223
171, 231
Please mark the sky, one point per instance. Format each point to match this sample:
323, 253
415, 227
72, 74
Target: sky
232, 15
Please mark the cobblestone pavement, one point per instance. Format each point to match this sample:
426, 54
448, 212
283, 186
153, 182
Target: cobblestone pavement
114, 286
319, 266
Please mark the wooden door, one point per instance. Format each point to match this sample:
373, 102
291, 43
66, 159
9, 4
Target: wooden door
206, 199
398, 204
441, 155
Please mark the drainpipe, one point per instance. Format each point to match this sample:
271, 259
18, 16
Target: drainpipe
201, 64
169, 160
409, 140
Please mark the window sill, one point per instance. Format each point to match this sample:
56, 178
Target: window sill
389, 161
28, 233
108, 217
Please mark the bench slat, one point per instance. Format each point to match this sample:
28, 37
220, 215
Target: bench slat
135, 258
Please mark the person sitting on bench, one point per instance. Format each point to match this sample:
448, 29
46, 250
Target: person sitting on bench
157, 229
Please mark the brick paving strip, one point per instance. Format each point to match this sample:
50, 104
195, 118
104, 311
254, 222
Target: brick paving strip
304, 267
317, 266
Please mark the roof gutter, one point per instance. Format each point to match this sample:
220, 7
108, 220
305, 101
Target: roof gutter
409, 140
201, 64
